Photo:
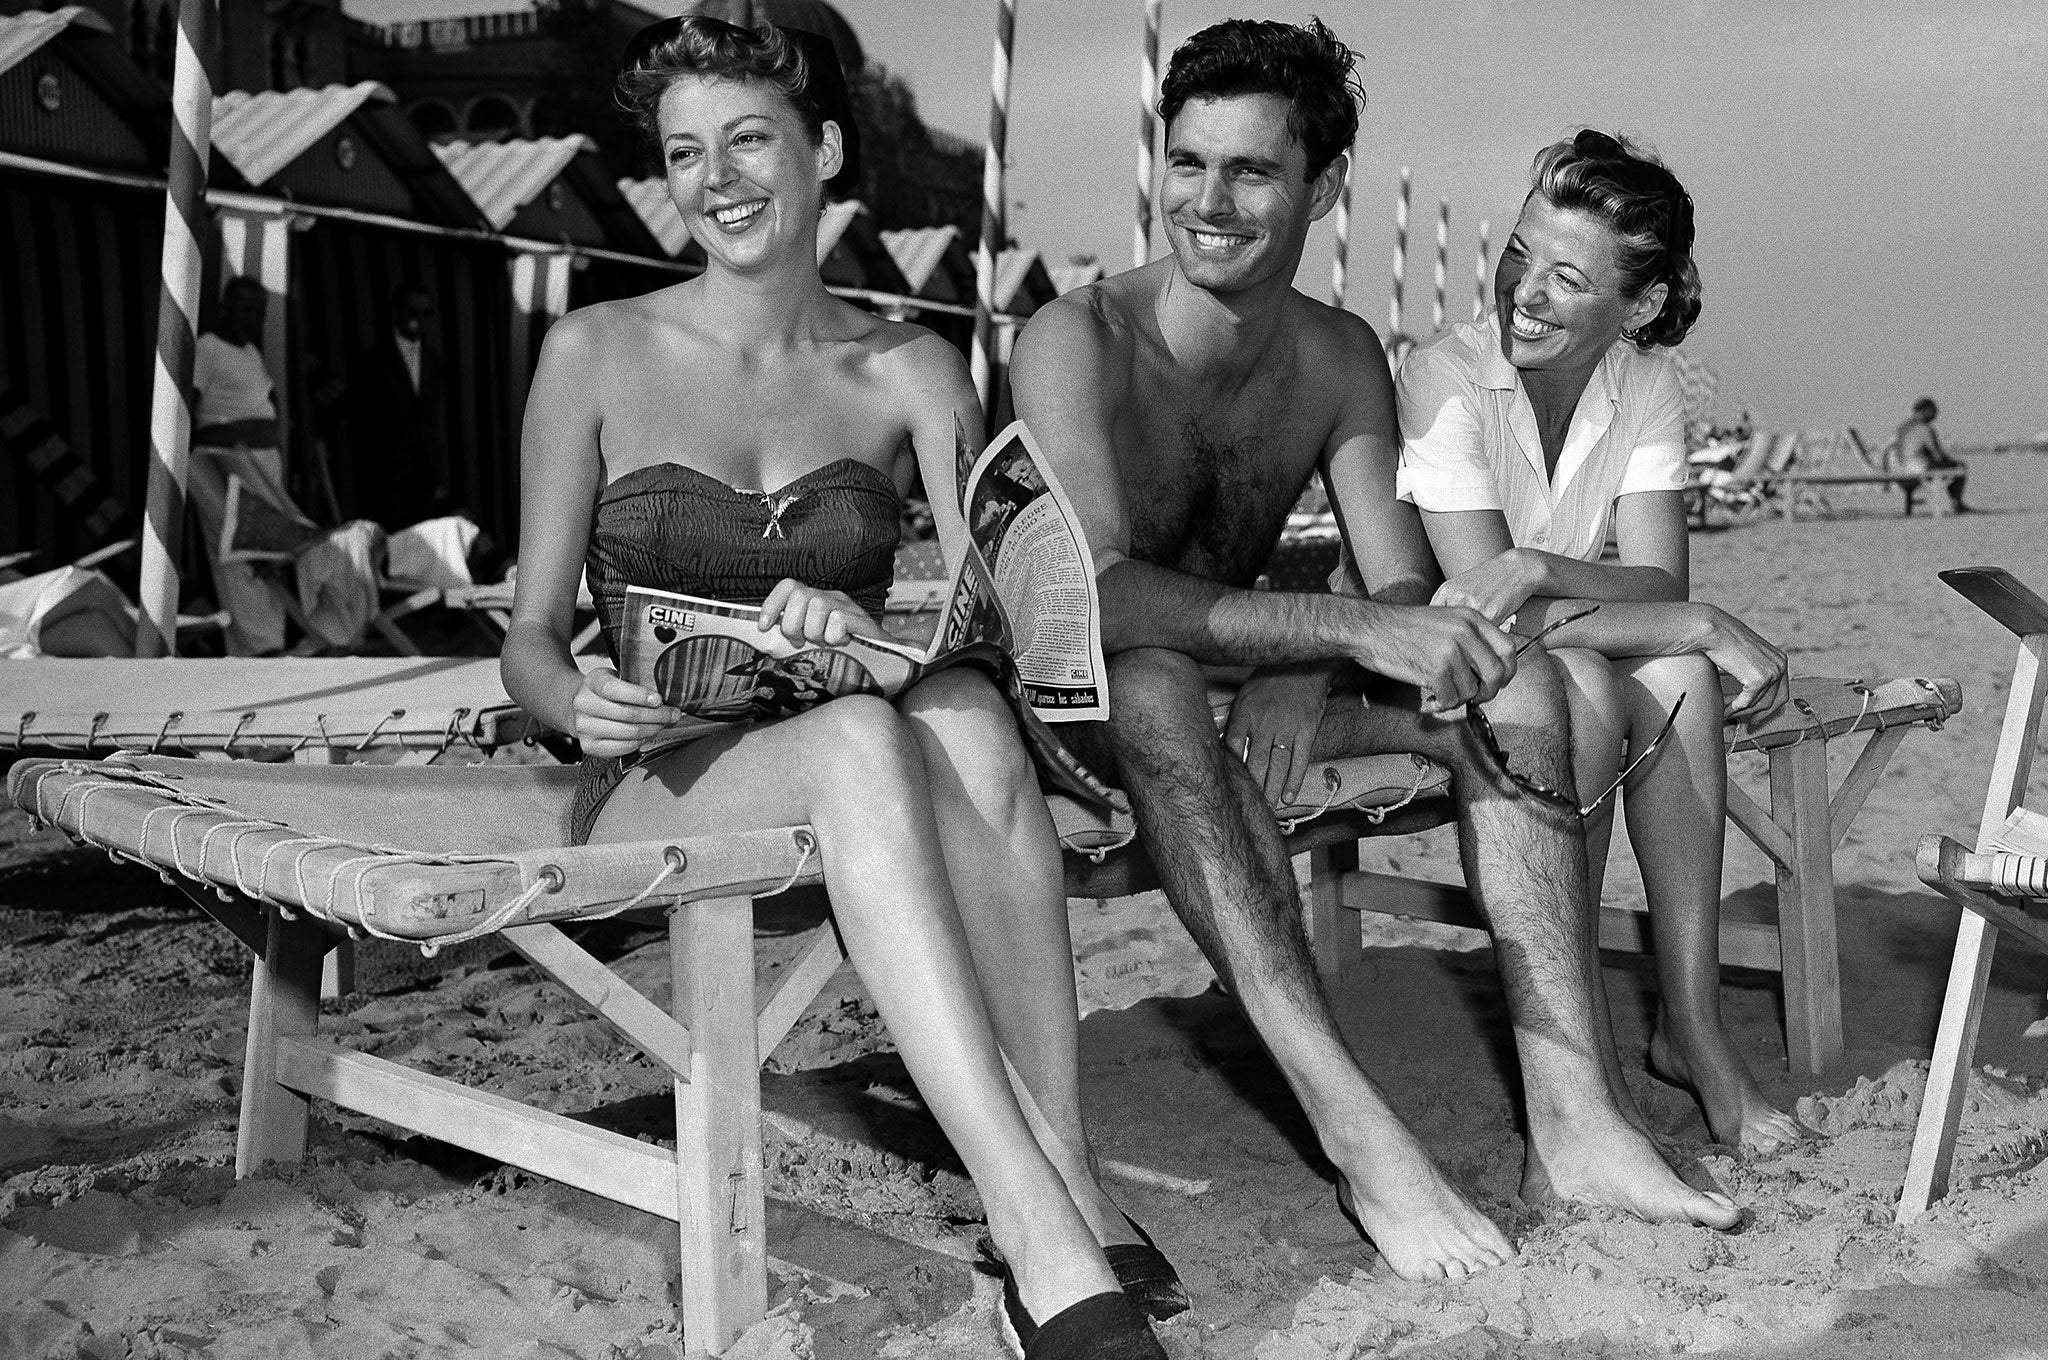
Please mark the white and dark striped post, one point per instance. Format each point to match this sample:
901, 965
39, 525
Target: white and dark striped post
1482, 279
1443, 261
170, 418
1148, 134
1341, 258
992, 201
1400, 258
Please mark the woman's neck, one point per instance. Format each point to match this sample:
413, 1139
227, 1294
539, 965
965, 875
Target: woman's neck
769, 309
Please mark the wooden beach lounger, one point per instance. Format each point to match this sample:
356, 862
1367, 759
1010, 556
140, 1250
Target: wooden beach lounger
2001, 884
314, 710
294, 858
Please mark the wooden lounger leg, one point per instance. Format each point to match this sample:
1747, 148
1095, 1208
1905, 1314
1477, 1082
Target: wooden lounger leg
1333, 931
718, 1123
1806, 908
284, 1002
1948, 1074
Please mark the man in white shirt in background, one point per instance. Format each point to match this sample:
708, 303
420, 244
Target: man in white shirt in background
235, 434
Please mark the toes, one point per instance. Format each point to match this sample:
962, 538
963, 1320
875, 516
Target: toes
1713, 1210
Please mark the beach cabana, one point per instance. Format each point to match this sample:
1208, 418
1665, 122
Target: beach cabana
82, 129
551, 190
935, 262
1067, 277
1023, 285
333, 199
851, 253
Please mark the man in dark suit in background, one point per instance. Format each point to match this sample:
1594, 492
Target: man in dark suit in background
397, 446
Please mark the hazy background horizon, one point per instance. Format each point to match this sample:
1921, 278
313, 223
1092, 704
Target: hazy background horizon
1867, 173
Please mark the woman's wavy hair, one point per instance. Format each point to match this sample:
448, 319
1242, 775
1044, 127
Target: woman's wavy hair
1649, 212
1304, 64
799, 66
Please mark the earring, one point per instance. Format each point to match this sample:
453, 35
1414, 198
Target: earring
1634, 337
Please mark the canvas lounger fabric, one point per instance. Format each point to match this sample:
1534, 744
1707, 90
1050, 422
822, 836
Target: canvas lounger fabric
329, 707
289, 857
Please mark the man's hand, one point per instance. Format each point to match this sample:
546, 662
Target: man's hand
1454, 655
808, 614
1758, 669
614, 718
1496, 587
1273, 726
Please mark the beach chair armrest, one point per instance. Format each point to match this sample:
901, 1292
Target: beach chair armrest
1999, 593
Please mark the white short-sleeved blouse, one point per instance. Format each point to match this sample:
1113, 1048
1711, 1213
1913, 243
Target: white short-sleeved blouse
1469, 439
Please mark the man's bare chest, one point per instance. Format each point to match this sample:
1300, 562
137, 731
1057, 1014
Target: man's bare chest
1209, 477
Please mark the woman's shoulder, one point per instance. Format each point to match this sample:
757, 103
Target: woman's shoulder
902, 355
1450, 359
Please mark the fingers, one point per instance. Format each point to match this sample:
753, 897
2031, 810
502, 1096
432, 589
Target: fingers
804, 614
613, 716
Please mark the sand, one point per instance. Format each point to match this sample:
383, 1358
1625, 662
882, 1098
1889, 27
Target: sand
124, 1234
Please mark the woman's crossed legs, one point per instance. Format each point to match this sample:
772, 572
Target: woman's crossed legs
945, 882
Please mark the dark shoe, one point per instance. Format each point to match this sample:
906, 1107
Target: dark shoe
1099, 1327
1147, 1278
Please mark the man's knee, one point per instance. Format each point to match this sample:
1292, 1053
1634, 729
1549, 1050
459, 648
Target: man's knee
1152, 680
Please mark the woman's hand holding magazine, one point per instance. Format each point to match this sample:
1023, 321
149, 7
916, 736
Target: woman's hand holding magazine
616, 717
822, 617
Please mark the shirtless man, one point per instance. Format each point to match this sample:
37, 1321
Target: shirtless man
1184, 406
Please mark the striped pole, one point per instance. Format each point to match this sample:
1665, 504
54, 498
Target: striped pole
1148, 133
1443, 261
992, 207
1341, 258
1481, 276
1400, 257
170, 421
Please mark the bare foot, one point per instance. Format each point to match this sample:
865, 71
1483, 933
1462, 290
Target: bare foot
1418, 1221
1737, 1111
1601, 1160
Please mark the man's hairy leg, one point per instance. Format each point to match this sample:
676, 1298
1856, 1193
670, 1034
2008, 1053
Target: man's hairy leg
1525, 863
1225, 870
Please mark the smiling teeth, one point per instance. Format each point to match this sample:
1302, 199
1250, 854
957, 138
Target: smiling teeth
737, 214
1530, 328
1211, 241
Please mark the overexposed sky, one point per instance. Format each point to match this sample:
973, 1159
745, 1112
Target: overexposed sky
1871, 176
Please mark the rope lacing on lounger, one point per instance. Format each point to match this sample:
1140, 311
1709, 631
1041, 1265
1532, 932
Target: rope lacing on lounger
1332, 783
173, 716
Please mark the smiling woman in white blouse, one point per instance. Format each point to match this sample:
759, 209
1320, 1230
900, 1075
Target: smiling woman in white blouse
1525, 436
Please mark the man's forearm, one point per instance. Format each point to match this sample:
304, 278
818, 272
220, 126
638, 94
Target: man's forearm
1149, 606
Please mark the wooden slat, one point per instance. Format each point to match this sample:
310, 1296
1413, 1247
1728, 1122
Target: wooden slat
657, 1032
718, 1188
1752, 821
589, 1158
1806, 909
1948, 1073
2016, 738
2000, 594
1332, 936
800, 984
1744, 944
1861, 779
284, 1004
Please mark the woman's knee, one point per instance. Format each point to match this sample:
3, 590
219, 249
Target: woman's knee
972, 723
861, 738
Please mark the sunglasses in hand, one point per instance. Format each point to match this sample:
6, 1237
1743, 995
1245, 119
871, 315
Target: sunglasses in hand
1482, 729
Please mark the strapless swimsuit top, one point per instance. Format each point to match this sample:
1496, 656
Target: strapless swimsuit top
674, 528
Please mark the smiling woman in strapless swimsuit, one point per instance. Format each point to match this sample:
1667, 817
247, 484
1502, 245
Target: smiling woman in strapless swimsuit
745, 435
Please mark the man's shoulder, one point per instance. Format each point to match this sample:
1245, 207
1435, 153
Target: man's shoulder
1087, 330
1332, 332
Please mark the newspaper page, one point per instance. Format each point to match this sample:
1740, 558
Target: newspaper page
1026, 533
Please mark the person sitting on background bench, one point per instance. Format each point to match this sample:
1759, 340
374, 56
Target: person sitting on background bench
1526, 434
1917, 448
1184, 406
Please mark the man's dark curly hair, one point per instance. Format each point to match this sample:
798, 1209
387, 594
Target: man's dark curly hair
1304, 64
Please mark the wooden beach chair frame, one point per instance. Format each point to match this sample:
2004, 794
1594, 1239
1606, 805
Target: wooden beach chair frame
1991, 883
291, 897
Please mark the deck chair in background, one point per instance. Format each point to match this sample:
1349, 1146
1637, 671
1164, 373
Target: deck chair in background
427, 564
293, 859
1994, 883
1799, 834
